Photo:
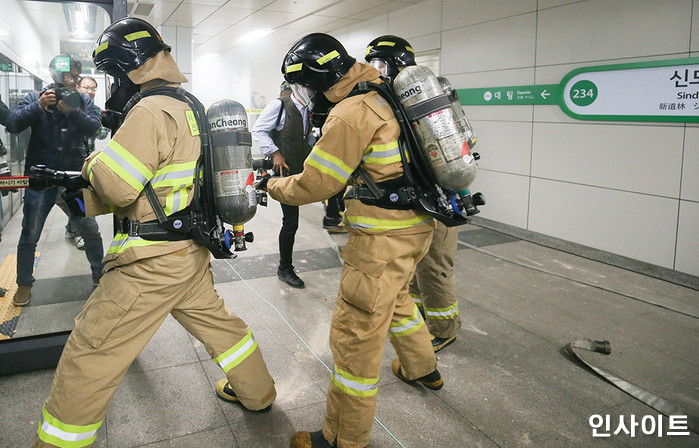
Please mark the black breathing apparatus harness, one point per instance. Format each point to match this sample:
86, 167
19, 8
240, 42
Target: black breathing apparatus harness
200, 221
417, 189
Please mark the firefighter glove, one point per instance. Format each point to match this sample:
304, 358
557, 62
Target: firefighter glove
75, 202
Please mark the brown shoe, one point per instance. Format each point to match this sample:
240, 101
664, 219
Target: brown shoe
22, 296
431, 380
305, 439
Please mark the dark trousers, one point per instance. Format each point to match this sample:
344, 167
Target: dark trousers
287, 235
37, 205
335, 205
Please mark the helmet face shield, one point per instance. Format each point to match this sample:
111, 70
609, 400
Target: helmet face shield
380, 65
302, 93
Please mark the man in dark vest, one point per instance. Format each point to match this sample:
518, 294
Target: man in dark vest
283, 132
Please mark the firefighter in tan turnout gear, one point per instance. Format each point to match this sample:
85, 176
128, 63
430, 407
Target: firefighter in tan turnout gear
384, 245
432, 287
145, 280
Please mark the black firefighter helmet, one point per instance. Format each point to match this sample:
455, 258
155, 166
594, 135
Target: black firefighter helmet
317, 61
126, 45
393, 50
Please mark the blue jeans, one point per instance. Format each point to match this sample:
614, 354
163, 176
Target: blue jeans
37, 205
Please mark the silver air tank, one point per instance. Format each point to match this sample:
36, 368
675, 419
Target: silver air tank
461, 119
234, 179
443, 142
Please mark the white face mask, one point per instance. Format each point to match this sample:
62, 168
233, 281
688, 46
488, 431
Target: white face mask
380, 65
302, 93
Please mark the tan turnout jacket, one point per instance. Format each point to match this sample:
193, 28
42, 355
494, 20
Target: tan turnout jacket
154, 144
359, 128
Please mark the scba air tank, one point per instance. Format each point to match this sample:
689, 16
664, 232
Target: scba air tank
459, 114
443, 141
234, 179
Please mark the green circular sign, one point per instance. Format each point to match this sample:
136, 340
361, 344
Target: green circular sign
583, 93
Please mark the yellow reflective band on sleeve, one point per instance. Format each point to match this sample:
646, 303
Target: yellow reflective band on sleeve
354, 385
238, 353
101, 48
384, 154
137, 35
123, 241
417, 299
410, 49
192, 122
125, 165
329, 164
53, 431
406, 325
442, 313
294, 67
330, 56
385, 43
380, 225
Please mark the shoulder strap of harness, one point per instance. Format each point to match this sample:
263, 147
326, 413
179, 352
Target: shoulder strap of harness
426, 194
200, 220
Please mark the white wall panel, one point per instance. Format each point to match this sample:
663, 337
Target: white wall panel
688, 238
425, 43
641, 159
502, 44
504, 146
362, 33
695, 27
423, 18
460, 13
634, 225
506, 197
690, 166
602, 29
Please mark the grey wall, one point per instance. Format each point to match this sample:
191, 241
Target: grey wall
628, 188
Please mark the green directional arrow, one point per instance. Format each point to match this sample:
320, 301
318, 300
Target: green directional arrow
510, 96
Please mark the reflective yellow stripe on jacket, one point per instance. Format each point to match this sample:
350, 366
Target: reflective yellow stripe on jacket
354, 385
407, 325
238, 353
53, 431
380, 225
329, 164
123, 241
384, 154
124, 165
179, 176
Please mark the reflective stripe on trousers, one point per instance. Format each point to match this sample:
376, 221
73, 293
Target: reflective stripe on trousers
53, 431
237, 354
354, 385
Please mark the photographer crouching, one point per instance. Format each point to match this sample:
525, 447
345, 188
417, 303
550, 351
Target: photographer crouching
60, 118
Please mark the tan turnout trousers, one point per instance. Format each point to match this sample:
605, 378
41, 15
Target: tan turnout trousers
119, 319
432, 287
373, 302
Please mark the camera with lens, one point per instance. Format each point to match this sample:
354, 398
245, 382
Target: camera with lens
41, 178
70, 97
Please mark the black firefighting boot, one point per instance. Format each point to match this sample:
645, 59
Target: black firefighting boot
225, 393
431, 380
305, 439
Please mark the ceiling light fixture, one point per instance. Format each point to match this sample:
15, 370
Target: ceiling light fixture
254, 35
